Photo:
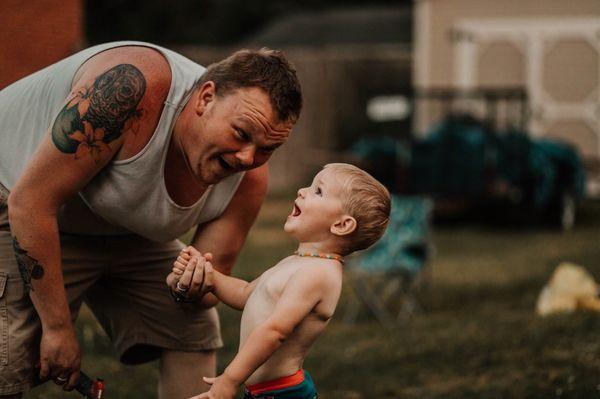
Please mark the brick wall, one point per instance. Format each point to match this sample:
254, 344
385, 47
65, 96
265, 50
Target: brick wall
35, 34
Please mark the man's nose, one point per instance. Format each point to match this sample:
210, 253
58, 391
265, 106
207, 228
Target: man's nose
246, 155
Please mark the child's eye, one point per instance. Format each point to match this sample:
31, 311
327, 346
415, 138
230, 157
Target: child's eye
318, 191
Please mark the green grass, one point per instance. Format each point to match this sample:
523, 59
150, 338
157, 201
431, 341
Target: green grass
476, 336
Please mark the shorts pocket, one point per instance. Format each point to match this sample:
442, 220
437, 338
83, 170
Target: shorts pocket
3, 320
4, 208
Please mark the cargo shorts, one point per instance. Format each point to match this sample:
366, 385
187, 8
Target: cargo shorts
122, 280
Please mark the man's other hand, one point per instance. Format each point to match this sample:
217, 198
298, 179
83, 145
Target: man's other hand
60, 358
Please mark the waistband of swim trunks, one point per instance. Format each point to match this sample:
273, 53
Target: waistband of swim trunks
279, 383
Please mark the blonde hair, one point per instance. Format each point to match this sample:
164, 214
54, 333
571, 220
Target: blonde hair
367, 201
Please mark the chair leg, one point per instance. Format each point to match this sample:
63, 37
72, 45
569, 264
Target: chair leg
390, 289
408, 308
376, 294
375, 306
410, 305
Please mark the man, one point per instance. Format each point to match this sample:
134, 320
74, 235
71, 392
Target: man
109, 156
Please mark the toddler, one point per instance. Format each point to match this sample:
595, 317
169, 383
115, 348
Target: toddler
289, 305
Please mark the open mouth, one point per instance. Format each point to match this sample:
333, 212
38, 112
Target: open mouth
224, 164
296, 210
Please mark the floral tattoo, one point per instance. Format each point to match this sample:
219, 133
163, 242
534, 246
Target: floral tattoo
29, 267
99, 114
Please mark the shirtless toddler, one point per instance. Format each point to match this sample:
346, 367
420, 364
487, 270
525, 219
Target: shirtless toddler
289, 305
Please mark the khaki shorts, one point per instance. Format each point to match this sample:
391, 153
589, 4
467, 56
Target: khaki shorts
122, 280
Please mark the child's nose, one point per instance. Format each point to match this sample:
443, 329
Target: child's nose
301, 192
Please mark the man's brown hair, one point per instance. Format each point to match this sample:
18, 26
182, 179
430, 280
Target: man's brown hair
366, 200
264, 68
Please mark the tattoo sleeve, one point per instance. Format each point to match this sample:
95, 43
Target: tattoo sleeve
29, 267
99, 114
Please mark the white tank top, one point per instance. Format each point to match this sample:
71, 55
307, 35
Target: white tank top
127, 196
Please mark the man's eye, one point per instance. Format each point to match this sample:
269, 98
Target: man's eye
242, 134
267, 151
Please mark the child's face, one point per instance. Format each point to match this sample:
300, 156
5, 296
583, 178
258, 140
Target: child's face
316, 208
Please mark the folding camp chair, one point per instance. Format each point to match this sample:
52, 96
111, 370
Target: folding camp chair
385, 276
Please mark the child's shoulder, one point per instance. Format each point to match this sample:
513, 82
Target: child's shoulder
321, 282
322, 273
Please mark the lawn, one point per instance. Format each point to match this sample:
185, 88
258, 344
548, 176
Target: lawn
476, 336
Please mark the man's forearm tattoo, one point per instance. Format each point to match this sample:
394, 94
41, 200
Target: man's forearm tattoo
99, 114
29, 267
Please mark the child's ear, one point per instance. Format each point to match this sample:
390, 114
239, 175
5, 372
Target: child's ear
344, 226
206, 94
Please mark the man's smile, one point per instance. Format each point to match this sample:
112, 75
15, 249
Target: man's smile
224, 164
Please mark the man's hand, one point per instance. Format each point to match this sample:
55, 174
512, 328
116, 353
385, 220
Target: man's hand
192, 274
221, 388
60, 358
181, 263
198, 277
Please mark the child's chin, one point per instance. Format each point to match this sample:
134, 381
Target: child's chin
287, 228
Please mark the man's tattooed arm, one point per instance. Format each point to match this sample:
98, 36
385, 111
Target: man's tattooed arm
99, 114
29, 267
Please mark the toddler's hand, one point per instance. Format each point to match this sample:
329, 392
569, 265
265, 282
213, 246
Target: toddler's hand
184, 257
220, 388
179, 266
182, 261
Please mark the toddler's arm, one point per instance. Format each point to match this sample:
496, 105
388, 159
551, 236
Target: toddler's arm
232, 291
196, 272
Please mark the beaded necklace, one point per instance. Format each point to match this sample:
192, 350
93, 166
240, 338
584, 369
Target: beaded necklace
323, 256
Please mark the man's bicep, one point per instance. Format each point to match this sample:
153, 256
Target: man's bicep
86, 133
98, 111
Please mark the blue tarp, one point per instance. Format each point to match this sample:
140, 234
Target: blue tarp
461, 158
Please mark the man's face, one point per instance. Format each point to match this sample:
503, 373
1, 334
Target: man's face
316, 208
235, 132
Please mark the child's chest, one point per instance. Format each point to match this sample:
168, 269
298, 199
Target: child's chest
273, 282
265, 296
